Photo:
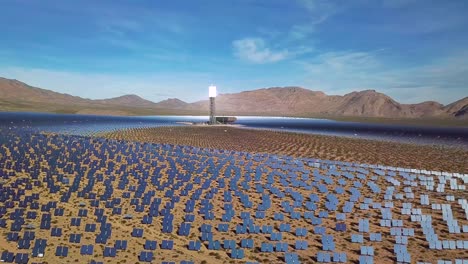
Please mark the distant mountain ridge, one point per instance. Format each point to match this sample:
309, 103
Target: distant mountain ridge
127, 100
458, 109
282, 101
172, 103
16, 90
299, 101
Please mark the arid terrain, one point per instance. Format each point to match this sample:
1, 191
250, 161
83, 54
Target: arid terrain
367, 105
234, 132
133, 177
304, 145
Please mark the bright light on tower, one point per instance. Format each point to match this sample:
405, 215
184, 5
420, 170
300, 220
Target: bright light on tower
212, 91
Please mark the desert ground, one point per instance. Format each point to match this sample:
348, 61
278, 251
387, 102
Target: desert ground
234, 172
298, 145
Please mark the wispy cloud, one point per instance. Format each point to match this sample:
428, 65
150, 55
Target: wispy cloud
300, 32
255, 50
446, 74
399, 3
340, 72
318, 12
108, 48
424, 16
147, 34
119, 27
443, 79
136, 28
343, 61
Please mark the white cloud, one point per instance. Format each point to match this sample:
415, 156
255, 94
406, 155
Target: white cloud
255, 50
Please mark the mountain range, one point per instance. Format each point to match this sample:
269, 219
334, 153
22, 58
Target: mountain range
276, 101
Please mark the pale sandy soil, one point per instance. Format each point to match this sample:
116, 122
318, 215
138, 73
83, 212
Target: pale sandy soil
222, 138
304, 145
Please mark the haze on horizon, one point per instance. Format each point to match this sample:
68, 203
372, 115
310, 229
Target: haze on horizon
411, 50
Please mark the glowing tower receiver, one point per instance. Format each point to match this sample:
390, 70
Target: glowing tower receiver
212, 91
212, 95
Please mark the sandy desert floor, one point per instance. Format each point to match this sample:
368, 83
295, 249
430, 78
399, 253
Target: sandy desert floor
35, 164
304, 145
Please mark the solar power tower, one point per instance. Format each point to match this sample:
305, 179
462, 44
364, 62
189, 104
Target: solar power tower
212, 95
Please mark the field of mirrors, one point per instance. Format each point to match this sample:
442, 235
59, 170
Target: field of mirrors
90, 200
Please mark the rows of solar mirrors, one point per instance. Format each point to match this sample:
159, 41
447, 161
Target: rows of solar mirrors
73, 198
82, 126
90, 125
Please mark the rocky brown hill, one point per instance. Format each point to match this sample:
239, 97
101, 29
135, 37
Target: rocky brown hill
299, 101
131, 100
458, 109
14, 90
172, 103
282, 101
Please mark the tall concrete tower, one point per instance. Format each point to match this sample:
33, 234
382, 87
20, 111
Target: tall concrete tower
212, 95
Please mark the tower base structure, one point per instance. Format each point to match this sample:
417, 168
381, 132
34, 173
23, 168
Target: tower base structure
212, 111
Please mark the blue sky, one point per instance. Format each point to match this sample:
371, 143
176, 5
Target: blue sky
412, 50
